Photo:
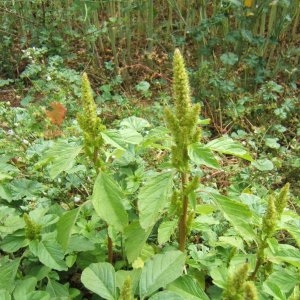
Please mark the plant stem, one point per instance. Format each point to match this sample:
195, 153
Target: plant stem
182, 223
259, 260
110, 254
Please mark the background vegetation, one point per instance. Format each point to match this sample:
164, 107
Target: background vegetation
92, 198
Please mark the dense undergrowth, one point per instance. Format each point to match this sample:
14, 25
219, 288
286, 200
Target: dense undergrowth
160, 181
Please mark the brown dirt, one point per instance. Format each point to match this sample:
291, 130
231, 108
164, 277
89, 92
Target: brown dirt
10, 95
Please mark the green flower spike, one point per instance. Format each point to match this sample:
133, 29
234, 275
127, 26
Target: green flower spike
32, 229
236, 284
183, 122
269, 219
282, 199
90, 123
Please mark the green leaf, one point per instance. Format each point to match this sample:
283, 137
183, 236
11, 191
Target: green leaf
79, 243
107, 201
280, 283
62, 155
39, 272
263, 164
131, 136
114, 138
165, 230
135, 123
238, 214
202, 156
24, 287
161, 270
12, 243
229, 58
142, 86
274, 290
188, 288
227, 145
39, 295
23, 187
5, 193
100, 278
286, 253
5, 295
50, 253
153, 197
64, 227
10, 224
57, 290
293, 229
135, 238
166, 295
8, 271
272, 143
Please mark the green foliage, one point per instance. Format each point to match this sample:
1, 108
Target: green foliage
111, 218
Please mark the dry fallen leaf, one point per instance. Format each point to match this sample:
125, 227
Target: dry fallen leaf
57, 114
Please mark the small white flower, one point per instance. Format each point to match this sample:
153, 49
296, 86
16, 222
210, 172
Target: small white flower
25, 142
48, 78
77, 199
10, 132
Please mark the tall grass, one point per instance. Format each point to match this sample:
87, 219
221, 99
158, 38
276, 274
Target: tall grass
129, 28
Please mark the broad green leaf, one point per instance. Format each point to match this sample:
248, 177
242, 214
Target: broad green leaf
166, 295
50, 253
4, 176
4, 295
263, 164
62, 157
107, 200
79, 243
5, 193
274, 290
220, 276
293, 229
188, 288
135, 123
14, 242
234, 241
57, 290
238, 214
39, 271
153, 197
100, 278
135, 238
114, 138
284, 279
202, 156
272, 143
39, 295
165, 230
286, 253
10, 224
161, 270
8, 271
24, 287
229, 58
24, 187
227, 145
131, 136
64, 227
